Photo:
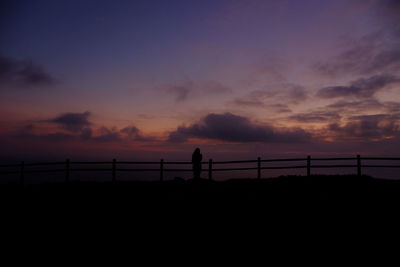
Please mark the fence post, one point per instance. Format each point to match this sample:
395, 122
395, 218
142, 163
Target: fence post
67, 170
258, 168
114, 170
308, 165
210, 169
161, 170
358, 165
22, 177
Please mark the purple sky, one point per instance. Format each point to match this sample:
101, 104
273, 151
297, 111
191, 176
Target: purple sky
239, 78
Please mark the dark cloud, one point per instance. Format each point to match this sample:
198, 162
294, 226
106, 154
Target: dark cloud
180, 92
103, 134
133, 133
377, 126
73, 122
233, 128
28, 132
361, 88
77, 126
23, 73
316, 116
107, 135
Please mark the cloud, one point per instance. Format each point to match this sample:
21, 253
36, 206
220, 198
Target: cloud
275, 99
316, 116
376, 126
107, 135
280, 108
77, 126
73, 122
375, 52
102, 134
254, 103
369, 55
180, 92
361, 88
133, 133
365, 105
28, 132
249, 103
362, 105
23, 73
388, 12
297, 94
233, 128
213, 87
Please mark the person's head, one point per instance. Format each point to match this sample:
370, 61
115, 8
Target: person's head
197, 150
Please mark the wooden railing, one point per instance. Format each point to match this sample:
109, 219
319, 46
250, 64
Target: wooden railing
68, 166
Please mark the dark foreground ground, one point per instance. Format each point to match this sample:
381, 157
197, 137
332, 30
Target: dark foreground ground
293, 193
297, 213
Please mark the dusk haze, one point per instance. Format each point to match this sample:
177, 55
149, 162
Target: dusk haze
240, 79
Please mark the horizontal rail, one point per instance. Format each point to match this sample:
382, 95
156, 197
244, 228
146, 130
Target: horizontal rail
234, 161
353, 158
90, 162
137, 162
92, 169
165, 170
44, 163
138, 170
234, 169
284, 167
178, 162
380, 158
273, 160
44, 171
381, 166
334, 166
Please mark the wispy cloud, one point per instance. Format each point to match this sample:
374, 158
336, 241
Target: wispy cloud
184, 91
276, 99
373, 53
361, 88
22, 73
180, 92
365, 127
315, 116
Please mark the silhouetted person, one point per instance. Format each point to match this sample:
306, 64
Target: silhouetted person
196, 163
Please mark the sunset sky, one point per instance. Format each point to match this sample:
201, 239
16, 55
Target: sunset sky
239, 78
